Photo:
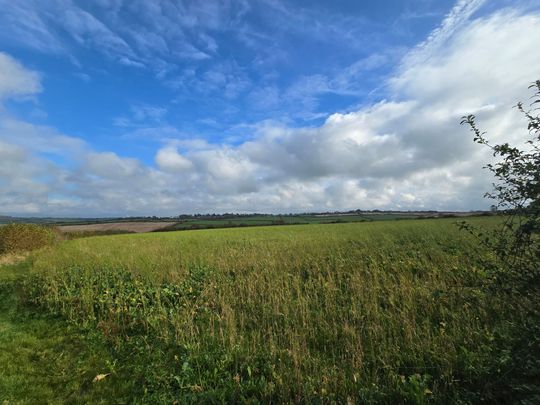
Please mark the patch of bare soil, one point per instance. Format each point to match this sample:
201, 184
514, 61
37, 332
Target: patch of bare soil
138, 227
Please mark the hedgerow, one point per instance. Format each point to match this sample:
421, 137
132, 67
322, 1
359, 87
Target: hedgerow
24, 237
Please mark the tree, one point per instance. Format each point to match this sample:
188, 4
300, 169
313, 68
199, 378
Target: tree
516, 192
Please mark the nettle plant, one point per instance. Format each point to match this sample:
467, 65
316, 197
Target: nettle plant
516, 192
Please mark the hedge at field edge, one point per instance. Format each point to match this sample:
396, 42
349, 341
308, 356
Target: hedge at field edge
25, 237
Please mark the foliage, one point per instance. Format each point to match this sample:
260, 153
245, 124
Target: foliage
116, 301
45, 359
24, 237
517, 196
516, 243
367, 313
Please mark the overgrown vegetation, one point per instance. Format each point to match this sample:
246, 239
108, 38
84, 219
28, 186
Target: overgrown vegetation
364, 313
45, 359
15, 238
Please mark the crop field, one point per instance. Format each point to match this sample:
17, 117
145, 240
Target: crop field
375, 312
135, 227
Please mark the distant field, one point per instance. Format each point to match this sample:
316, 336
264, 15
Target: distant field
266, 220
385, 312
93, 226
136, 227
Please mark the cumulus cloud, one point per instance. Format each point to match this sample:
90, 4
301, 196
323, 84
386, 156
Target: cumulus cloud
226, 171
168, 159
24, 186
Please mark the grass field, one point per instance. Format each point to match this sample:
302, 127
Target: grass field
378, 312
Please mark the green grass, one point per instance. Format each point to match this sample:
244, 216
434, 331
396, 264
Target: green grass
378, 312
47, 360
266, 220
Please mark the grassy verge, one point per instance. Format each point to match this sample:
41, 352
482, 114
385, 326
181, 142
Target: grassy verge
45, 359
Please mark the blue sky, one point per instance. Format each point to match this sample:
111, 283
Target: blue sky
110, 107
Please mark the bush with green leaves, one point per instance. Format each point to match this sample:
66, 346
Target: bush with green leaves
16, 238
516, 193
516, 243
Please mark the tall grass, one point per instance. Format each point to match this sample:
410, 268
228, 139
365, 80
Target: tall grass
372, 312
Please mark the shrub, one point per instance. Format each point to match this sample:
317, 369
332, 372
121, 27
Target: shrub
24, 237
516, 192
516, 242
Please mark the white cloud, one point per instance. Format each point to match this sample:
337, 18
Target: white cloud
24, 190
457, 18
489, 61
40, 139
16, 80
168, 159
108, 165
226, 171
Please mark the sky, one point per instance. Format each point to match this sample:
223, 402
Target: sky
166, 107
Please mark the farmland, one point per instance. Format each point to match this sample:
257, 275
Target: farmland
135, 227
104, 226
358, 312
